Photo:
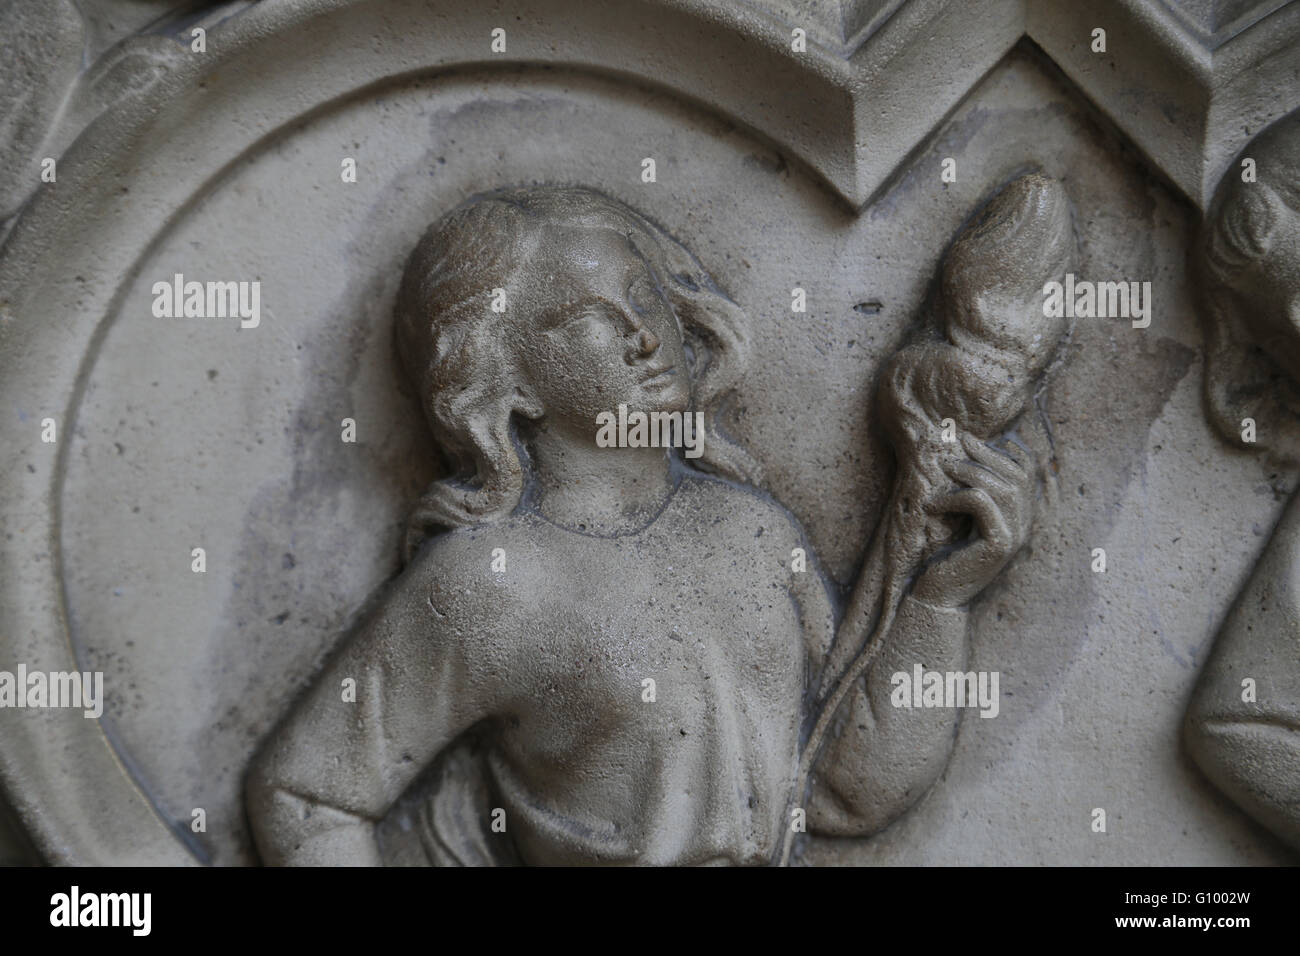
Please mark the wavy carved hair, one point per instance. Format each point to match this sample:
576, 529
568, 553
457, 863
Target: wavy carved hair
455, 348
1241, 379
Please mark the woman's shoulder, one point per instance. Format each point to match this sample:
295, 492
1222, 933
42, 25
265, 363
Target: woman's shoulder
477, 569
720, 501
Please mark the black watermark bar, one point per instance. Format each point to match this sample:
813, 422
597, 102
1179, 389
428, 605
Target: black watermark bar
343, 907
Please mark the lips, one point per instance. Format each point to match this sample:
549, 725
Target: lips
659, 376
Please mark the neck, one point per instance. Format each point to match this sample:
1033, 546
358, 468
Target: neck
601, 491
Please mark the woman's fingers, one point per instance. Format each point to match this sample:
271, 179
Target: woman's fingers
1012, 488
1011, 463
1010, 496
997, 493
977, 476
981, 506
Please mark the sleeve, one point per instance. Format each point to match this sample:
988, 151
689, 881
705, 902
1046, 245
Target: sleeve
880, 758
398, 692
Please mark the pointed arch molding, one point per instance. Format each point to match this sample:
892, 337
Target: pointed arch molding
1189, 81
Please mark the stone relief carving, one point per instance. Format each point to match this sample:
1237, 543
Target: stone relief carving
1243, 725
937, 431
534, 675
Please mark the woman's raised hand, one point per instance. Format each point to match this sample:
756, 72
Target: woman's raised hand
996, 488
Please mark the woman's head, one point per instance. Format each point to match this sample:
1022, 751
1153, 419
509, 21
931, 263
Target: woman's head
596, 326
1249, 270
596, 306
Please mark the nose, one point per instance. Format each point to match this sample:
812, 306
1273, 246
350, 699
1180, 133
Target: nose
644, 344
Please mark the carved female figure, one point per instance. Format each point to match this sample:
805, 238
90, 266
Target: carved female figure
604, 655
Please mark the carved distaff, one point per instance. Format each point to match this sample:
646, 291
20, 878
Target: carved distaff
977, 377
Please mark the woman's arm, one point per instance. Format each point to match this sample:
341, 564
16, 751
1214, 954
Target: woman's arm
401, 689
879, 758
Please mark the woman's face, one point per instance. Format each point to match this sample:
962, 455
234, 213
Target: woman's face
600, 331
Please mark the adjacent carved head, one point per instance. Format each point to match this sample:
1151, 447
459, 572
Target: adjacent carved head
596, 306
1249, 269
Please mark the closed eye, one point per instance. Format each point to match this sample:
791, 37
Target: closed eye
584, 316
